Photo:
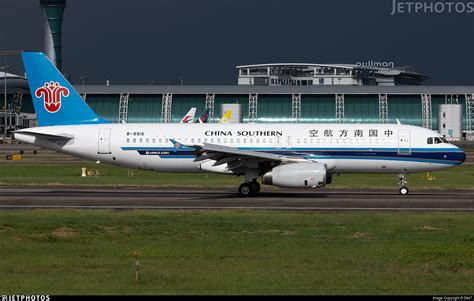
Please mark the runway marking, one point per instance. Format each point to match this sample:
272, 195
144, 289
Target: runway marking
234, 208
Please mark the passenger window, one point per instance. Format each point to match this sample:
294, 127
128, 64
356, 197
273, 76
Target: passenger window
147, 140
153, 140
128, 140
430, 140
438, 140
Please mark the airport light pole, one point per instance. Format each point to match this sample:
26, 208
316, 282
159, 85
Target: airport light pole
83, 77
6, 68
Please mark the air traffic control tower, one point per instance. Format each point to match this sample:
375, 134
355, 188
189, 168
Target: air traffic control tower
53, 11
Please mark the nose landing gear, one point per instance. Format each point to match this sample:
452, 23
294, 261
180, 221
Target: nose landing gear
402, 182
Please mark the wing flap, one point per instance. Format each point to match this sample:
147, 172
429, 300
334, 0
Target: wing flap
232, 151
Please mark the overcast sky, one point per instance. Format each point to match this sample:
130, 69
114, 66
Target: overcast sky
135, 42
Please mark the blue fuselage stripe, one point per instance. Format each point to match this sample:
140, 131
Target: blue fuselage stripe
452, 156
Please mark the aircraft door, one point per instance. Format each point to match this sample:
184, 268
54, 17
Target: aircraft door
278, 142
404, 143
288, 142
104, 141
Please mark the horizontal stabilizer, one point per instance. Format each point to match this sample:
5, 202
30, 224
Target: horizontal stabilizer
63, 137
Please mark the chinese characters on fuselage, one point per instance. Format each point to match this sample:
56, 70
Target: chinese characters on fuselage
344, 133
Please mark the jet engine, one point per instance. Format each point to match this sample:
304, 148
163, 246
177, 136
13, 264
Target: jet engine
297, 175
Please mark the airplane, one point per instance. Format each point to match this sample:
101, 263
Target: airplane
283, 155
226, 117
189, 117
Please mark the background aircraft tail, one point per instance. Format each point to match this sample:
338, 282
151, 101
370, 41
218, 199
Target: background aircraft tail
189, 117
55, 100
204, 116
226, 117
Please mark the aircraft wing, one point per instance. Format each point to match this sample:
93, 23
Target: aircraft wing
215, 151
238, 160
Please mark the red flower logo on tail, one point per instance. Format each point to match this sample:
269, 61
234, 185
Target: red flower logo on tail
52, 93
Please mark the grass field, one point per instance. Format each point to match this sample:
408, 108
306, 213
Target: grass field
31, 173
236, 252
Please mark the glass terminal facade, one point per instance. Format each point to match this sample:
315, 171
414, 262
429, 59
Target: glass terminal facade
278, 108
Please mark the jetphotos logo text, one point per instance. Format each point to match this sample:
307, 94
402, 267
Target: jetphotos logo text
52, 93
432, 7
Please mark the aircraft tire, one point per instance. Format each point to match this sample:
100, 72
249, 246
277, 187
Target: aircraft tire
403, 190
255, 187
245, 190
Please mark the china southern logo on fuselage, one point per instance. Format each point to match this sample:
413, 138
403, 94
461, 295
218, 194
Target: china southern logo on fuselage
52, 93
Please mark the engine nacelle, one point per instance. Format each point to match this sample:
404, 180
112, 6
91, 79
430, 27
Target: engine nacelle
297, 175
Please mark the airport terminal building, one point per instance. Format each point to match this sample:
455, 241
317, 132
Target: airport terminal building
415, 105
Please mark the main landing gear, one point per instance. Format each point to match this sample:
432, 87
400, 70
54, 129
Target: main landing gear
402, 182
249, 189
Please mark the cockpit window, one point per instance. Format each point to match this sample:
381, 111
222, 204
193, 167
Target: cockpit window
430, 140
437, 140
444, 140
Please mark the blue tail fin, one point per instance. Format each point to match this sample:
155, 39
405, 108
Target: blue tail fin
55, 100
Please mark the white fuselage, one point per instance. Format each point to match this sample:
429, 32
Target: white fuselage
344, 148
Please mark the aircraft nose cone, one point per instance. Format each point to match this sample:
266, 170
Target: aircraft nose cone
463, 156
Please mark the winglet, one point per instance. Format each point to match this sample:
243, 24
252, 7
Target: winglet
177, 146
